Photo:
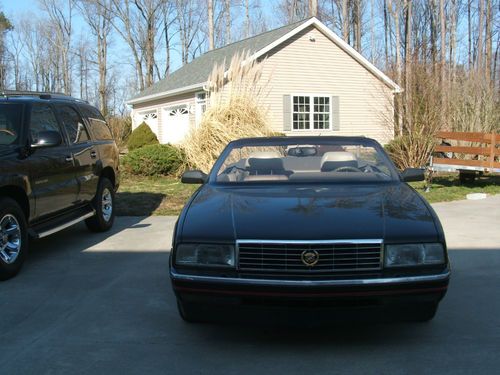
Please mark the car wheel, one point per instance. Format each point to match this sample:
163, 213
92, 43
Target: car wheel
189, 312
13, 238
104, 205
424, 313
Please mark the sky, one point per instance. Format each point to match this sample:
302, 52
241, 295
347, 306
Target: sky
119, 51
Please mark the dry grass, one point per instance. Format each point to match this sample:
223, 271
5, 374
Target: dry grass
233, 112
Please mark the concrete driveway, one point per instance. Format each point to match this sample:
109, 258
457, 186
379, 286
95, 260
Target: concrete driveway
102, 304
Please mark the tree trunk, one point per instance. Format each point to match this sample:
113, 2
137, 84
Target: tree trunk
313, 8
480, 30
469, 34
211, 41
227, 9
488, 38
345, 21
453, 39
357, 24
442, 18
386, 34
247, 18
407, 64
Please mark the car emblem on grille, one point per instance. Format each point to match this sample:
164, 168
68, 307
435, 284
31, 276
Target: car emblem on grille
309, 257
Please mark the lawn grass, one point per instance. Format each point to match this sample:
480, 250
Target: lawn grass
447, 187
144, 196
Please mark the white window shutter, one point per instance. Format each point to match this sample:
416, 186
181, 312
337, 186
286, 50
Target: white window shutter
287, 113
335, 113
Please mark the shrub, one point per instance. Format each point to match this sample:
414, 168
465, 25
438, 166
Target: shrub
411, 150
153, 160
141, 136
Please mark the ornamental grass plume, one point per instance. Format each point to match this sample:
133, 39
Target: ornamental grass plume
234, 111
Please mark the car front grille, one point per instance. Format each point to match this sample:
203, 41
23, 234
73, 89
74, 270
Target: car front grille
291, 257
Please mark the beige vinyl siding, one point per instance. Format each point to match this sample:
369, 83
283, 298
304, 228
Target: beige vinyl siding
310, 63
160, 104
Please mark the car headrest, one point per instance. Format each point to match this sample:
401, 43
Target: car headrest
265, 161
267, 164
336, 159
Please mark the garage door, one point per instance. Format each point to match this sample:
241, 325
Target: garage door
175, 124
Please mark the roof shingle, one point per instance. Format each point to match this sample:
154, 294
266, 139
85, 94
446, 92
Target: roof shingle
198, 70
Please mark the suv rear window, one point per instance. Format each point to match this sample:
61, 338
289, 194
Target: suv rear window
98, 125
10, 123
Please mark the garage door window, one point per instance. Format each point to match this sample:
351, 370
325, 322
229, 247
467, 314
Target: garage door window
311, 112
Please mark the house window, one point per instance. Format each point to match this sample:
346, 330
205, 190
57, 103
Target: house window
149, 116
311, 112
201, 105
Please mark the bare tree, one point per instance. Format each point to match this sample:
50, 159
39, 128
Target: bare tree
442, 22
211, 37
189, 14
453, 39
5, 26
293, 10
313, 8
407, 58
488, 38
345, 20
98, 17
357, 20
60, 14
227, 17
480, 28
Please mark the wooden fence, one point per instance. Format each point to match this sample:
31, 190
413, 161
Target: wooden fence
485, 153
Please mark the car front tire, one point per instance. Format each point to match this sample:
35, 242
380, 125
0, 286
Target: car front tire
104, 205
13, 238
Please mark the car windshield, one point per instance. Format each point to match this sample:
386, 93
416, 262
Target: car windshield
10, 123
327, 161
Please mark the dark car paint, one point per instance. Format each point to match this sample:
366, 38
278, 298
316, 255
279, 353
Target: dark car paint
54, 179
221, 213
391, 211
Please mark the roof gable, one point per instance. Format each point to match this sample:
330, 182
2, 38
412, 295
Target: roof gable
194, 75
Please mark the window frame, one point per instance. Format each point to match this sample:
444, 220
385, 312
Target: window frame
199, 105
311, 112
62, 130
56, 107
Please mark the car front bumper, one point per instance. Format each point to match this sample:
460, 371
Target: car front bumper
358, 292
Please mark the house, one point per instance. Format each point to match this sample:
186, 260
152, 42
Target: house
318, 85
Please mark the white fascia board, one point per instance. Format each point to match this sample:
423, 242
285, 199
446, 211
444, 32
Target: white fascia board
166, 94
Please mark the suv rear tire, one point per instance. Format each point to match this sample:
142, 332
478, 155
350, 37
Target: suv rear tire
104, 205
13, 238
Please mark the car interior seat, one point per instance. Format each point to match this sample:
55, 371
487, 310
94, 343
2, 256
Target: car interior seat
336, 159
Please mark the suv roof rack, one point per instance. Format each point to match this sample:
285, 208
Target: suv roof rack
40, 94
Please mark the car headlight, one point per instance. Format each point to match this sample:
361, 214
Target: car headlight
402, 255
205, 255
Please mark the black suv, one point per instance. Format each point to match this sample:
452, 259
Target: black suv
58, 166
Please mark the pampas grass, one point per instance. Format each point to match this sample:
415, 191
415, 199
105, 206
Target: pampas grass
234, 111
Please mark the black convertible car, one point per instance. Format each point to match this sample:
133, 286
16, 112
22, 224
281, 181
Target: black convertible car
307, 222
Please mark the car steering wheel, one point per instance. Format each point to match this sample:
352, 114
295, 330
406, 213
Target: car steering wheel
347, 169
9, 132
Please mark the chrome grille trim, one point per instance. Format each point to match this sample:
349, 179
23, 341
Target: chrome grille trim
271, 256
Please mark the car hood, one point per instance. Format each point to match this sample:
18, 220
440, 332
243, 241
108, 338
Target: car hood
392, 212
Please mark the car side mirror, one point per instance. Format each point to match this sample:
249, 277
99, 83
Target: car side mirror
48, 138
413, 174
194, 177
